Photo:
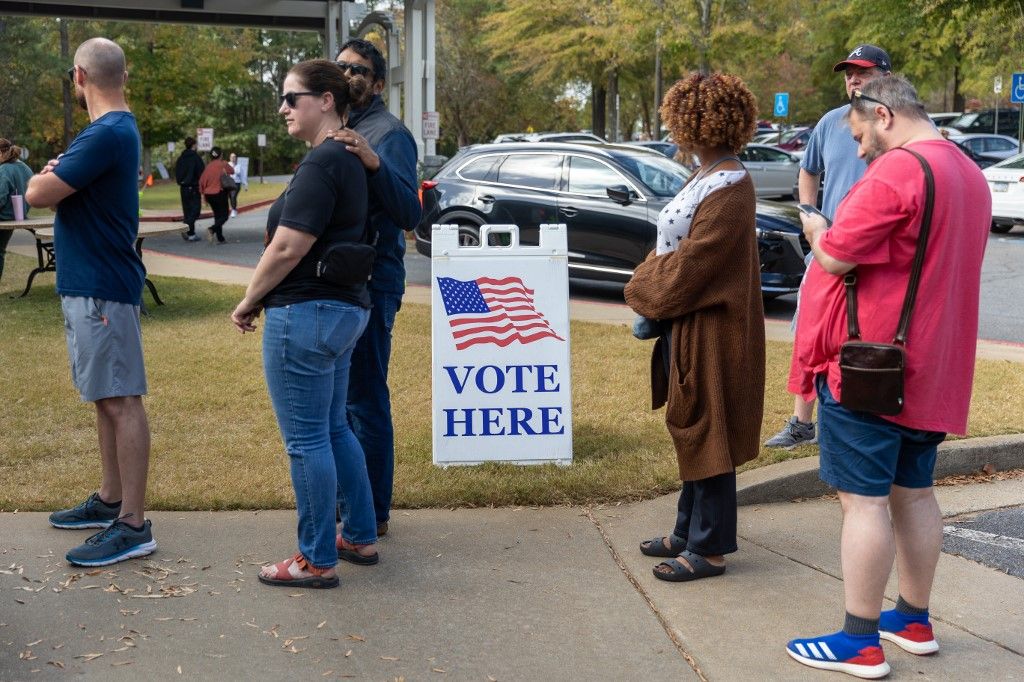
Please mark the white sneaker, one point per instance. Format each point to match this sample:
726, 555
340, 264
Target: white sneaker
234, 213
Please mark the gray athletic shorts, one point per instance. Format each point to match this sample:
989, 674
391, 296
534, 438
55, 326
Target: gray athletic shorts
104, 347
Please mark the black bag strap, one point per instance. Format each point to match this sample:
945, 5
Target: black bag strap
850, 280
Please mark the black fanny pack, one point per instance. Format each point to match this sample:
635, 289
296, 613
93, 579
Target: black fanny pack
346, 264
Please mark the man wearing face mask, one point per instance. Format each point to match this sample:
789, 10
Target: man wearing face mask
388, 152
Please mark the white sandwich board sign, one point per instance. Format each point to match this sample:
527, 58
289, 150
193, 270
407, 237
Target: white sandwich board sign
500, 348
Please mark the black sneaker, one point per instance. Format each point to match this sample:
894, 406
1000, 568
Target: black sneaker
93, 513
794, 433
117, 543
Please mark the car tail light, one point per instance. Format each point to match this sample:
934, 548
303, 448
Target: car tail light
425, 185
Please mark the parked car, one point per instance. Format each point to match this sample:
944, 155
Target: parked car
548, 137
795, 139
982, 161
984, 122
669, 149
995, 147
609, 196
773, 171
1006, 182
944, 118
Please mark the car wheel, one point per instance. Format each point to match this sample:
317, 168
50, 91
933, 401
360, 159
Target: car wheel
469, 235
1001, 228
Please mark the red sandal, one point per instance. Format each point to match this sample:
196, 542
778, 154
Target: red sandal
282, 576
349, 552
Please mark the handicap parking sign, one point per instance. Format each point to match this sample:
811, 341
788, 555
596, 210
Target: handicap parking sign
781, 107
1017, 89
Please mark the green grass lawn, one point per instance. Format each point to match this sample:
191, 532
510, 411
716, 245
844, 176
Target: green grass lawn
164, 195
216, 444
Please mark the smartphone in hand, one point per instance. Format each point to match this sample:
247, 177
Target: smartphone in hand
811, 210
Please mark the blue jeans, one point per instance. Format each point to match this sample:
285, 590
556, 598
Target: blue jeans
307, 350
369, 400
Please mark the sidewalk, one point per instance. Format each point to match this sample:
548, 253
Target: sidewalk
502, 594
490, 594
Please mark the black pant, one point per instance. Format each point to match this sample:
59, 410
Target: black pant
191, 206
233, 197
707, 515
219, 203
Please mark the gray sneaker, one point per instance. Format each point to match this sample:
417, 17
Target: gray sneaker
794, 433
116, 543
93, 513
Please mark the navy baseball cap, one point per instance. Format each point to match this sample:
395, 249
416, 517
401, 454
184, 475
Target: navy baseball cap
866, 56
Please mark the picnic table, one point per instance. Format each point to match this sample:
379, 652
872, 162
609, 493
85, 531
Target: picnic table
42, 229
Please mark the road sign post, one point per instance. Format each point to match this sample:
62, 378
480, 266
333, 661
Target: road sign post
780, 109
1017, 97
261, 142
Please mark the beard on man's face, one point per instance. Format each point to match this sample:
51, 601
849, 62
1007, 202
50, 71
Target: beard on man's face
80, 98
873, 148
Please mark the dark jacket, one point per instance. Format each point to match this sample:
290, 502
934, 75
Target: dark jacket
188, 168
393, 202
710, 287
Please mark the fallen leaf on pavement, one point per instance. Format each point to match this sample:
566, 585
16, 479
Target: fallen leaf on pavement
121, 663
389, 658
355, 638
438, 670
348, 653
56, 664
88, 657
321, 624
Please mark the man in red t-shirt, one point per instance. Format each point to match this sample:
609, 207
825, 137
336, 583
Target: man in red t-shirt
884, 465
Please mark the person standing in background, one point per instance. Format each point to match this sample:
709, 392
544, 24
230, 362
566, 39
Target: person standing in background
387, 151
212, 187
237, 177
14, 176
187, 171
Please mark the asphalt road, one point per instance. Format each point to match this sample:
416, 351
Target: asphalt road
995, 538
1002, 281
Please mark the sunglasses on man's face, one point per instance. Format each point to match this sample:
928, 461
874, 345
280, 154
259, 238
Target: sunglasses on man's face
857, 94
356, 69
71, 74
291, 98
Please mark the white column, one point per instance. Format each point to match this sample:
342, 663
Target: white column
332, 21
414, 66
395, 75
429, 71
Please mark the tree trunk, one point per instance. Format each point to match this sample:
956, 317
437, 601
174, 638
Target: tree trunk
959, 101
597, 105
65, 84
613, 106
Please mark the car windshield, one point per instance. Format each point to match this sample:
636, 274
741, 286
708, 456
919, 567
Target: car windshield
789, 135
1012, 162
661, 174
964, 121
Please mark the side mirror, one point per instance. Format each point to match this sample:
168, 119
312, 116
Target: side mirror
620, 194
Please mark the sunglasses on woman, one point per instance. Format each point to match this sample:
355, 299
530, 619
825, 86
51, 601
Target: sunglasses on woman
356, 69
291, 98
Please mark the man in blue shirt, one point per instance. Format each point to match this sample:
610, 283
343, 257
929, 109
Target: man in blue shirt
388, 152
99, 279
833, 151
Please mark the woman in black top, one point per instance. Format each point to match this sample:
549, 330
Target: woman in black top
312, 325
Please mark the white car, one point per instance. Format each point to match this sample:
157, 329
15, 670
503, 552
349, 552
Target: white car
1006, 181
991, 146
773, 171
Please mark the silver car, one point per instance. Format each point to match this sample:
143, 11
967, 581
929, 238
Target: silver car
997, 147
773, 170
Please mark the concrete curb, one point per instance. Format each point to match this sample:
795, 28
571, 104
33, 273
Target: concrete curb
178, 217
798, 478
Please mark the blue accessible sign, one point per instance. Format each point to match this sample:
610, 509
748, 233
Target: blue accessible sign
1017, 89
781, 107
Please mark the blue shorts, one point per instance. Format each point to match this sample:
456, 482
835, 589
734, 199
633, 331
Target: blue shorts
104, 347
865, 455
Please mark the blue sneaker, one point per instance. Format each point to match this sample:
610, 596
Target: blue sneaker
116, 543
92, 513
909, 632
857, 655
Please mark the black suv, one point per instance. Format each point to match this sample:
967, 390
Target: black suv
609, 197
984, 122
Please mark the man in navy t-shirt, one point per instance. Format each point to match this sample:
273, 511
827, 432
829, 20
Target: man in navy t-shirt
99, 279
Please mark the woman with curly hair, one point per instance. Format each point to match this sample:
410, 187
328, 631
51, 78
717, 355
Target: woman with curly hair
703, 283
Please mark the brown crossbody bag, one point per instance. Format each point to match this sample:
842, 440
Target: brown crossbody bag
872, 374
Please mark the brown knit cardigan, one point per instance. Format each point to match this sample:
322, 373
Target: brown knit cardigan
710, 288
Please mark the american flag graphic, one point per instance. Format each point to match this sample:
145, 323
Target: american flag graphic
488, 310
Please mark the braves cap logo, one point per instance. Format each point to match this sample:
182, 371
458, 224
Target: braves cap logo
855, 53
